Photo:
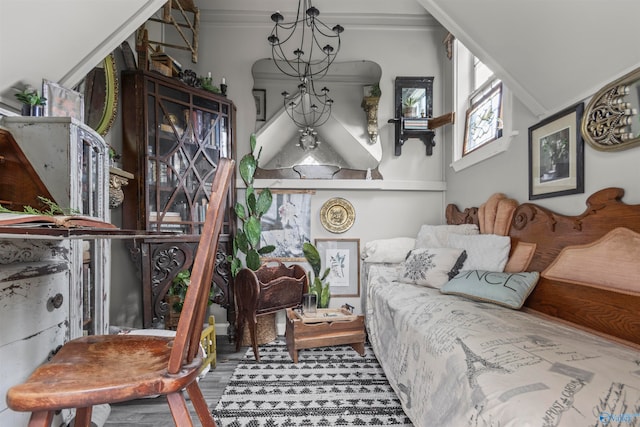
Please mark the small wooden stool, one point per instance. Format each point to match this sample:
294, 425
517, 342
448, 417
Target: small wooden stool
300, 335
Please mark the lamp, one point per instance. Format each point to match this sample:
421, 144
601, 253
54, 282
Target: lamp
308, 108
310, 58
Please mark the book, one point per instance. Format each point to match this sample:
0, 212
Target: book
61, 221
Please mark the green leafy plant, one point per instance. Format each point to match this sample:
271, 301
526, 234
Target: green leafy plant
178, 288
410, 101
206, 84
30, 96
52, 208
247, 238
375, 91
317, 283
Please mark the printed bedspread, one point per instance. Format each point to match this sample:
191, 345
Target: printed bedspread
456, 362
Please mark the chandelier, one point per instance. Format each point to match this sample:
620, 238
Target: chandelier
312, 49
308, 108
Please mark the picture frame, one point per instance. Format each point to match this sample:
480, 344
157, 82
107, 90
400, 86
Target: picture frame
260, 97
556, 155
342, 256
287, 225
483, 120
62, 102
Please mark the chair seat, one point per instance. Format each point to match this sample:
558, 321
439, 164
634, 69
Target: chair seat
102, 369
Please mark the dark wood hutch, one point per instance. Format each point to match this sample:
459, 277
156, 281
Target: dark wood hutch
174, 136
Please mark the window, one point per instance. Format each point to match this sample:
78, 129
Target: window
485, 103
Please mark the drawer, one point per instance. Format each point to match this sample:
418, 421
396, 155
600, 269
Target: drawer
21, 357
33, 297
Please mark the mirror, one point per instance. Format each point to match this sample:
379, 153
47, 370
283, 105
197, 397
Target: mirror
101, 96
344, 146
414, 108
611, 121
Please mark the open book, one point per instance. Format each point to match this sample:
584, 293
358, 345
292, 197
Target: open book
62, 221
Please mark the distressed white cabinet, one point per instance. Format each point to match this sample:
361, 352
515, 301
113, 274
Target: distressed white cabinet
53, 289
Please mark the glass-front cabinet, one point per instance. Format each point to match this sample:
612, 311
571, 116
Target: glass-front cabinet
174, 137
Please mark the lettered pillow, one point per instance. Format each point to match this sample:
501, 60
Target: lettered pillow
431, 266
436, 236
488, 252
505, 289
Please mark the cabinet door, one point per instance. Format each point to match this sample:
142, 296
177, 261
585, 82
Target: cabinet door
187, 136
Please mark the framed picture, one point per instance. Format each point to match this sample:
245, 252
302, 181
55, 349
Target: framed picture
342, 256
260, 97
62, 102
556, 155
287, 224
484, 119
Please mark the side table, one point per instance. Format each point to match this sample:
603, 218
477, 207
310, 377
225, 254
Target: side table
300, 335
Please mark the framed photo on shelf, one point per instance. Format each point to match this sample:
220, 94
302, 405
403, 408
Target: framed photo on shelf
62, 102
342, 256
287, 224
260, 97
556, 155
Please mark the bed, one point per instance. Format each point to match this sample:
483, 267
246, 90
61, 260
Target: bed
569, 357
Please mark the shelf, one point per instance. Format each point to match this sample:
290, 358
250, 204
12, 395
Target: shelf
348, 184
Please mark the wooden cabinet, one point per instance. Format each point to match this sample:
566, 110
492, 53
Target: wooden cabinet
174, 136
52, 289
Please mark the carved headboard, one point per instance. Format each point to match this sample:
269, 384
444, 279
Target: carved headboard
605, 310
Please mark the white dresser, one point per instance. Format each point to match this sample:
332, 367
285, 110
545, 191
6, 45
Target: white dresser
53, 289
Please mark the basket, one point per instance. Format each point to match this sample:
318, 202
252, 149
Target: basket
265, 330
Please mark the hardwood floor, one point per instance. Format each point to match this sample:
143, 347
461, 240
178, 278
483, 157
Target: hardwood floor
155, 412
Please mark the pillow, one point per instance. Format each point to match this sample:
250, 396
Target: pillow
520, 257
431, 266
435, 236
505, 289
487, 252
388, 250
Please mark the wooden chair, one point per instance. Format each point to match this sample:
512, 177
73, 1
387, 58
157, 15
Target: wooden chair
265, 291
102, 369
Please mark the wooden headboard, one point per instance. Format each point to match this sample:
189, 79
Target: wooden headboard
606, 311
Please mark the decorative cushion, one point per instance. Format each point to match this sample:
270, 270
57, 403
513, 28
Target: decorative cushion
431, 266
520, 257
487, 252
388, 250
436, 236
505, 289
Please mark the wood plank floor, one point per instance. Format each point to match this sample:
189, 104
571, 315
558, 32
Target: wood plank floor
155, 412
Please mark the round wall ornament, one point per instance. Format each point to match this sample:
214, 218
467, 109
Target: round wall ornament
337, 215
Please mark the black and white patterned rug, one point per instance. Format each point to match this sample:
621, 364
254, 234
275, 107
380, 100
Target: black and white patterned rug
329, 386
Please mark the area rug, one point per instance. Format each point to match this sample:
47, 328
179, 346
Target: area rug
329, 386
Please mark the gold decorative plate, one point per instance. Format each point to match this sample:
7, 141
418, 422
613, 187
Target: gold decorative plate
337, 215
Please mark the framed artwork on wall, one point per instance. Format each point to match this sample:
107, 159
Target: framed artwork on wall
556, 155
342, 257
287, 224
260, 97
62, 102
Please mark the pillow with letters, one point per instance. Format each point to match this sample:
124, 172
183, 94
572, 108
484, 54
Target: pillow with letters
505, 289
431, 267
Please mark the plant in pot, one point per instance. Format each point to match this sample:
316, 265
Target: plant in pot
409, 106
176, 295
247, 238
32, 103
317, 283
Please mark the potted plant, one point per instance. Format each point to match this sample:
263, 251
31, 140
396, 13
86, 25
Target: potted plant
409, 106
247, 238
318, 285
175, 298
32, 103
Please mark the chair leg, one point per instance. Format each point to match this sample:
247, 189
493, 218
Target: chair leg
239, 329
179, 410
200, 405
41, 419
83, 417
254, 339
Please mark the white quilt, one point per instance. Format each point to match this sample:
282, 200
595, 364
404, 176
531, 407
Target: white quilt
456, 362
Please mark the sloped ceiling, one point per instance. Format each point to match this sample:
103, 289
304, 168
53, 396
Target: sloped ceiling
62, 41
551, 53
